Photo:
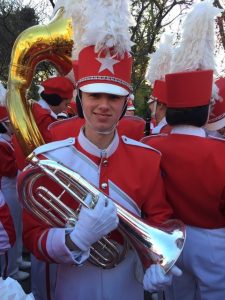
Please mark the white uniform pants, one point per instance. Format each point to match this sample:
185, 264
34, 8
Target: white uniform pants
43, 279
88, 282
203, 266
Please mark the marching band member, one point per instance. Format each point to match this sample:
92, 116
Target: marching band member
56, 95
194, 165
160, 62
103, 77
130, 106
130, 125
12, 261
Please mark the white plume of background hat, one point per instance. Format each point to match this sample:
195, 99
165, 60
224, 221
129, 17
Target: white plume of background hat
160, 60
2, 95
196, 49
109, 30
159, 66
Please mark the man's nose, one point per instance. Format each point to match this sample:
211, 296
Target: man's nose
104, 101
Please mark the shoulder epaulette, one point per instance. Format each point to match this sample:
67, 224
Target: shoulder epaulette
54, 145
152, 136
132, 142
61, 122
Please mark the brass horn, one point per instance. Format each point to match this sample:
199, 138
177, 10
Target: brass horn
54, 42
152, 244
51, 42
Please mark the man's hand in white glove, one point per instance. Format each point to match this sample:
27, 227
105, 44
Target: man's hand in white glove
93, 224
155, 278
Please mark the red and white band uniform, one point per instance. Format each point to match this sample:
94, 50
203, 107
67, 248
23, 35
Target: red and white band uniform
108, 170
193, 169
8, 178
7, 230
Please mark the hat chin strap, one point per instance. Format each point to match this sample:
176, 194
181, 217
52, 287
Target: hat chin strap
105, 132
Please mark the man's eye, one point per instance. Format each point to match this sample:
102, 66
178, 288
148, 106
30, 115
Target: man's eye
94, 95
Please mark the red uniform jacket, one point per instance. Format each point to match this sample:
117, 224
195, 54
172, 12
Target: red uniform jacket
8, 165
194, 174
7, 231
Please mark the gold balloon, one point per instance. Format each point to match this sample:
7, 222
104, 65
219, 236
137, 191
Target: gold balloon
52, 42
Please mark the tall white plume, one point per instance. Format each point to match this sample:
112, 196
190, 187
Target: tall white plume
196, 49
160, 60
103, 23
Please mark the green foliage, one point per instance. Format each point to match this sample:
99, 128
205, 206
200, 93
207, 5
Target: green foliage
13, 20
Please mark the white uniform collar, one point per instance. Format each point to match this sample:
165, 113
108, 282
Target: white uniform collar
45, 105
157, 129
189, 130
93, 149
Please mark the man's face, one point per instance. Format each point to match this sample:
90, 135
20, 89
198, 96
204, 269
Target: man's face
102, 111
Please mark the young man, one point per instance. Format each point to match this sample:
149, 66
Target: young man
115, 165
96, 154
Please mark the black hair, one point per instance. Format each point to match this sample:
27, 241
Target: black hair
80, 109
78, 103
2, 128
51, 99
196, 116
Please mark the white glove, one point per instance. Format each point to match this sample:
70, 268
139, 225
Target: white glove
155, 278
93, 224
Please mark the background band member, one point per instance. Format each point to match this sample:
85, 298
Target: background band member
12, 261
193, 165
